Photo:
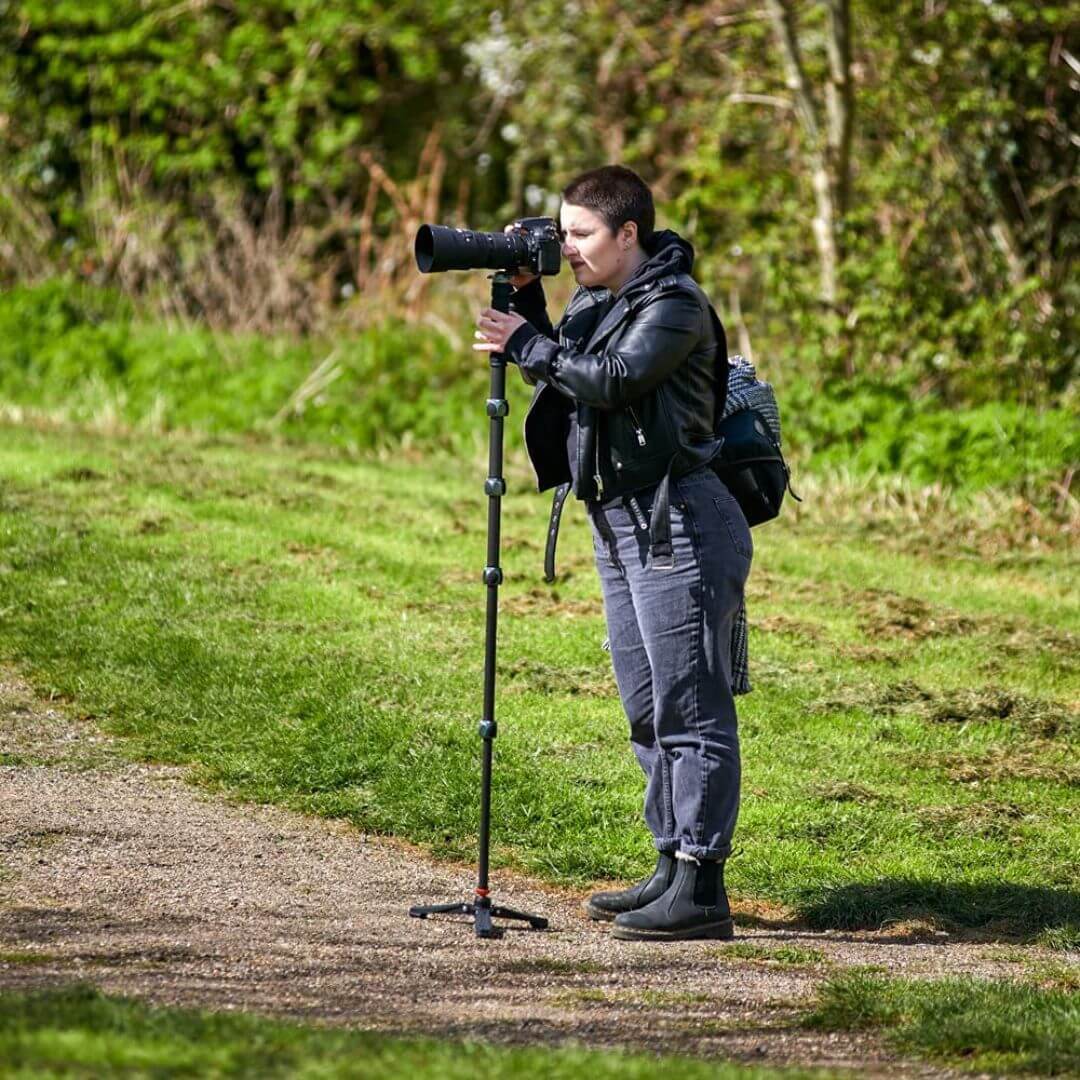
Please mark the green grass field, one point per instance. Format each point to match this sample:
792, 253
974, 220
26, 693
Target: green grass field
976, 1025
81, 1032
992, 1027
308, 629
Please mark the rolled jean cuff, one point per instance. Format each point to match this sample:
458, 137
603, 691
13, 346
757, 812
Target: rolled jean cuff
699, 852
668, 844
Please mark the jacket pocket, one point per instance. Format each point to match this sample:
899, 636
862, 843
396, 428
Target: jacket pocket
638, 433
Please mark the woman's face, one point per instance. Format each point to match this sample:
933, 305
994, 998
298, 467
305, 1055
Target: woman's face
596, 255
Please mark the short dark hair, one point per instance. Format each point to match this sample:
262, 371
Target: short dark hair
618, 195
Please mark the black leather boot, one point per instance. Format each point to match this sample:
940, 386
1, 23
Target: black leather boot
695, 905
606, 905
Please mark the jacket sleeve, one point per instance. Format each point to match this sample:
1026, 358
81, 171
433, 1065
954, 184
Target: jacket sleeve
662, 334
530, 303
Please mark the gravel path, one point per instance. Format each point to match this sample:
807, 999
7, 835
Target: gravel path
127, 876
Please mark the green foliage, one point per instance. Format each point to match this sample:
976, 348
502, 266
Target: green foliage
78, 351
81, 353
141, 140
273, 93
873, 426
999, 1027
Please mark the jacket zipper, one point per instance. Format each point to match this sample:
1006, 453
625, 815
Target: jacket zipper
638, 430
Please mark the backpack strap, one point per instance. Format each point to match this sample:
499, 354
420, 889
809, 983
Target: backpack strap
720, 366
660, 546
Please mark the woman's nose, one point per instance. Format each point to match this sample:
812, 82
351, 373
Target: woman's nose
568, 249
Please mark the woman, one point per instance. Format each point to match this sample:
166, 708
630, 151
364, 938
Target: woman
624, 408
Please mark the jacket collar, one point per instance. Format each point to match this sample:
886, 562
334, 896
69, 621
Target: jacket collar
667, 253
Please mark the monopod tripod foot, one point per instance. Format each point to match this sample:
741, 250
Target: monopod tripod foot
482, 912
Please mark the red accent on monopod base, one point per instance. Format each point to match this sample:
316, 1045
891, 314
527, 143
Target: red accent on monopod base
483, 892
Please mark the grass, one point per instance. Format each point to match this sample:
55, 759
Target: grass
25, 958
78, 1031
307, 629
1060, 938
768, 955
981, 1025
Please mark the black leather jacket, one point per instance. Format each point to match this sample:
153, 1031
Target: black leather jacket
639, 369
640, 372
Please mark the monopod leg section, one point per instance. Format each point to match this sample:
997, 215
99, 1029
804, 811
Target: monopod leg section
498, 408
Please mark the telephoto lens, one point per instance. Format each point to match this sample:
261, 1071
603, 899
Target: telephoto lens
440, 247
532, 244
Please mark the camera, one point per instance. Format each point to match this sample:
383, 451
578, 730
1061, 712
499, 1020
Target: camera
532, 245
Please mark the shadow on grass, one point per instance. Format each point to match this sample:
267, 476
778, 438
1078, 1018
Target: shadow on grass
996, 910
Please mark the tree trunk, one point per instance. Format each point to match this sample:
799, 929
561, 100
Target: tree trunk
827, 146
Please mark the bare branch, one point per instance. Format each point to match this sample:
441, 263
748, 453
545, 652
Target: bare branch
783, 17
839, 99
761, 99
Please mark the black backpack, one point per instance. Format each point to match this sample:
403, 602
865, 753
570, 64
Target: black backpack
750, 461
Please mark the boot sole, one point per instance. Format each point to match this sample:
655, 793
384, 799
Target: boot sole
723, 930
599, 914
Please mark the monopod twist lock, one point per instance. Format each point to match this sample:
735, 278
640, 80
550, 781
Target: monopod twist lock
498, 408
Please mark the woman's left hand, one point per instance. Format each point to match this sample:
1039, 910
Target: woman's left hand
495, 329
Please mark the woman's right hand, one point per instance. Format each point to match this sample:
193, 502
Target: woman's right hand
520, 280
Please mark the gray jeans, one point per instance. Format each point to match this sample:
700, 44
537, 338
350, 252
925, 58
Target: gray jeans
670, 634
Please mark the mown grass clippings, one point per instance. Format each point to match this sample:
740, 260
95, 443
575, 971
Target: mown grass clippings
527, 675
986, 818
542, 601
846, 791
796, 628
1040, 718
1038, 761
79, 475
888, 615
79, 1031
1044, 719
586, 995
977, 1024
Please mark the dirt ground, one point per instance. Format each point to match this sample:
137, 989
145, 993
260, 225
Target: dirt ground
129, 877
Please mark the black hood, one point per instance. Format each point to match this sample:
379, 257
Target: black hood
668, 253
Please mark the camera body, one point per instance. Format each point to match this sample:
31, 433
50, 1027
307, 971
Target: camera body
531, 244
542, 242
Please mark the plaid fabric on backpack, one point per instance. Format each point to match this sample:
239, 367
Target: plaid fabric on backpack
751, 462
746, 391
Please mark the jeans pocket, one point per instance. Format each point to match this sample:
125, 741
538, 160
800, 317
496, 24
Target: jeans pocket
735, 523
603, 541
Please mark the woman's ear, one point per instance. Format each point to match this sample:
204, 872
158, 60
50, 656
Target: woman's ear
628, 234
